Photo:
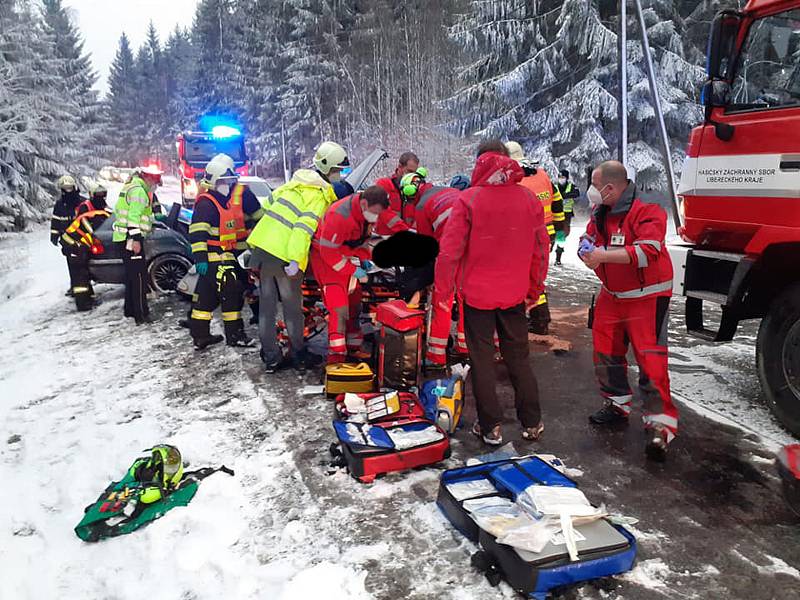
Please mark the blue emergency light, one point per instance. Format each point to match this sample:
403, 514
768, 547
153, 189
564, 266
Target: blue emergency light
220, 132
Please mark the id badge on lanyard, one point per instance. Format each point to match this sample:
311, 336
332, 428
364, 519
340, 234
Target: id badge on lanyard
617, 239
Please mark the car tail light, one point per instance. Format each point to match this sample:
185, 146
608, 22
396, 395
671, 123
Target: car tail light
97, 247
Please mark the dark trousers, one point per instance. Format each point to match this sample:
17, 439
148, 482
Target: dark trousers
135, 284
222, 285
80, 280
512, 330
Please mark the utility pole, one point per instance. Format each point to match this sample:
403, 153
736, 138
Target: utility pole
283, 151
622, 38
662, 128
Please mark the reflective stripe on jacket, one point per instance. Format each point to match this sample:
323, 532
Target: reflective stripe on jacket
291, 220
134, 211
434, 208
542, 187
643, 227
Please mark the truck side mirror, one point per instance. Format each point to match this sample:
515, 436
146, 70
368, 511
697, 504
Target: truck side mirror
722, 44
715, 93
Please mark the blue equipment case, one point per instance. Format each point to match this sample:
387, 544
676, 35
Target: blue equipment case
530, 577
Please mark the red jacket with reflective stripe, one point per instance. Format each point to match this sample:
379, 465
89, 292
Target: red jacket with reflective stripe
495, 239
341, 235
391, 221
644, 227
433, 209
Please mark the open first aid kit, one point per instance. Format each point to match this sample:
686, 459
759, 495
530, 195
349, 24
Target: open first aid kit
536, 529
382, 406
369, 450
348, 377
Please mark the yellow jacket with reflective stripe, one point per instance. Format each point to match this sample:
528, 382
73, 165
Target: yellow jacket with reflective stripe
134, 211
290, 221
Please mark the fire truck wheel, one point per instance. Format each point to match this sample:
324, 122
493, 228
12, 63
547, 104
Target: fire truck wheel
166, 272
778, 358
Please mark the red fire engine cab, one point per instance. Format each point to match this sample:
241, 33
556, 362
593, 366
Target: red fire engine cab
739, 194
196, 148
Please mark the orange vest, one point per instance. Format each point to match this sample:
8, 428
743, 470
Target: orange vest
231, 220
542, 188
76, 234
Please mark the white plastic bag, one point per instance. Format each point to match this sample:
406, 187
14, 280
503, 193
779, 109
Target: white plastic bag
461, 490
530, 534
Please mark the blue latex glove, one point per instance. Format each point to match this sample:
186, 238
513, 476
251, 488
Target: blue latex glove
201, 268
360, 274
292, 269
367, 265
586, 247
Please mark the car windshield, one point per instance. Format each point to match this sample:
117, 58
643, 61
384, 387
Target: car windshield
259, 188
203, 150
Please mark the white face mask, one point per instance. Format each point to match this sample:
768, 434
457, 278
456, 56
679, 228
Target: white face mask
370, 217
594, 196
562, 180
224, 189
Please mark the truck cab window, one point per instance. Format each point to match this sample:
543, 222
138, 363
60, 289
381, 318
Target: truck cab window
768, 74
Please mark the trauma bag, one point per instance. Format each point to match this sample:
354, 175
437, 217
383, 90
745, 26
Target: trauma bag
370, 450
145, 494
400, 346
604, 549
788, 464
444, 401
341, 378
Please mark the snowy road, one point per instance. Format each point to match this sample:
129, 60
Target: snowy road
82, 394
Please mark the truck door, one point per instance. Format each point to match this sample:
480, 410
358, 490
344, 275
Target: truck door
750, 184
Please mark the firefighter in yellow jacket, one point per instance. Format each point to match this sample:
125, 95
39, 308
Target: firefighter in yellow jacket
223, 216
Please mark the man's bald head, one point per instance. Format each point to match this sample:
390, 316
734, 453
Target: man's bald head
613, 172
611, 179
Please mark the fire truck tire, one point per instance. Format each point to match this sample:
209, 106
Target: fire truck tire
778, 358
166, 272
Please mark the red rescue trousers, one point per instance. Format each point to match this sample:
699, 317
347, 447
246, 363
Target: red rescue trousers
344, 307
439, 331
643, 324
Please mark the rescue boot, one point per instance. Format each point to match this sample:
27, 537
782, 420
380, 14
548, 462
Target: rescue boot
202, 343
559, 253
656, 448
240, 340
608, 415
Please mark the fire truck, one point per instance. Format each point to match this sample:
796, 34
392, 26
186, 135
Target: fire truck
196, 148
739, 194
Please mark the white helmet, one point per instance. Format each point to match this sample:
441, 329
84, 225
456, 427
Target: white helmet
67, 183
219, 167
515, 151
330, 155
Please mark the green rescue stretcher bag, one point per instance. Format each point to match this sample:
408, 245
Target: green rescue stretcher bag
152, 486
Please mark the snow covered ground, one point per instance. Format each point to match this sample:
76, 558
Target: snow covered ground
81, 395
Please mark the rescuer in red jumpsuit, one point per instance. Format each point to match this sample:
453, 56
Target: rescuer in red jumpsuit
434, 206
400, 215
338, 254
624, 245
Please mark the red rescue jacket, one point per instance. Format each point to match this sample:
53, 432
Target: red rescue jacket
495, 239
433, 209
341, 236
642, 228
399, 216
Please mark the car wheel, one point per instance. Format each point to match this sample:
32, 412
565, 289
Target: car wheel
778, 358
166, 271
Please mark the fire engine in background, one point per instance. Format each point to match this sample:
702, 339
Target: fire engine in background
739, 194
196, 148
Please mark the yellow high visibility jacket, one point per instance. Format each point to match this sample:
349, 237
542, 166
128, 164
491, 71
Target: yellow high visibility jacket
290, 221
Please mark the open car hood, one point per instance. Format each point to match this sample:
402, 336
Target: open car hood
361, 172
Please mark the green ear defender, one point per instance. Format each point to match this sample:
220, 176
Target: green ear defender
409, 190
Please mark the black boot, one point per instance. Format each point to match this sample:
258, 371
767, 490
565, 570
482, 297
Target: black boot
559, 253
205, 342
608, 415
656, 448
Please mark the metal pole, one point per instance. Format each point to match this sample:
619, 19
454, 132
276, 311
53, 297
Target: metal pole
662, 128
623, 82
283, 151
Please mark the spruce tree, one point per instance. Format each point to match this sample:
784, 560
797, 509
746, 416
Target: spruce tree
122, 101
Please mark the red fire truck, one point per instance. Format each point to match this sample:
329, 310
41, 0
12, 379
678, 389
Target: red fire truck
739, 194
196, 148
